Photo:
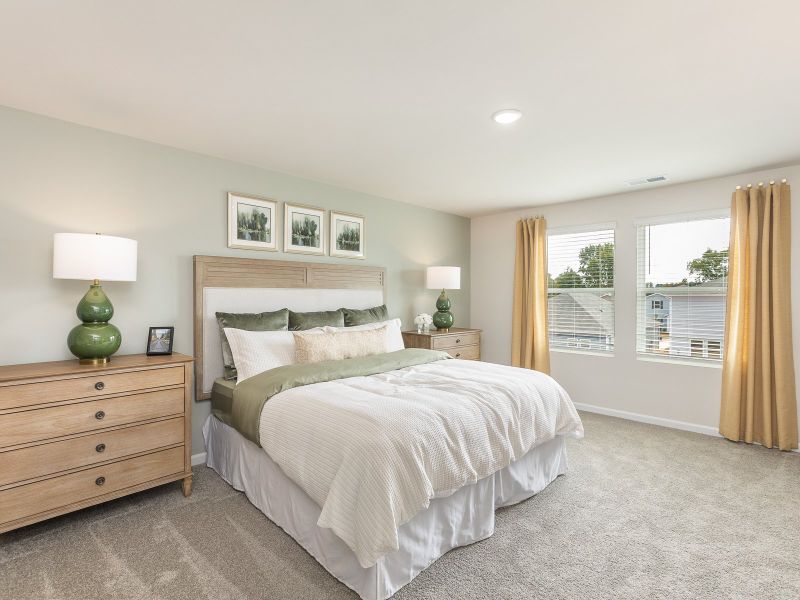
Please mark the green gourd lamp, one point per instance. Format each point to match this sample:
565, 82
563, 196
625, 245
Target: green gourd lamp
94, 257
443, 278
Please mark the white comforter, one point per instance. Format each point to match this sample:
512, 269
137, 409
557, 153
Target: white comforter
372, 451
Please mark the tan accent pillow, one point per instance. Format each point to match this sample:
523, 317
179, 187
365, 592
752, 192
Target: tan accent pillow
337, 345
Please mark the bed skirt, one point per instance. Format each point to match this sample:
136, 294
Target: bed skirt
461, 518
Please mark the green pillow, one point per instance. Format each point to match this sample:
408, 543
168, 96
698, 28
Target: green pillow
266, 321
307, 320
376, 314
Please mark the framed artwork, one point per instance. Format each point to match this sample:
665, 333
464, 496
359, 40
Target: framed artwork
251, 222
159, 341
347, 235
304, 229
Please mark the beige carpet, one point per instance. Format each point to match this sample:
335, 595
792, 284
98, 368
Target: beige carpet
644, 512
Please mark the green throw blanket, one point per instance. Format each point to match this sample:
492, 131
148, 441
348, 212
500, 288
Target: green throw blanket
250, 395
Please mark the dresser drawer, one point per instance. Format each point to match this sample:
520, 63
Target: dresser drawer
84, 451
29, 394
446, 342
33, 498
45, 423
465, 352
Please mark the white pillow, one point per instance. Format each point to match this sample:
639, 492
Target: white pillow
257, 351
393, 332
341, 344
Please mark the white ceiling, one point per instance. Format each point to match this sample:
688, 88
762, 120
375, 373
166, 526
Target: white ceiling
394, 98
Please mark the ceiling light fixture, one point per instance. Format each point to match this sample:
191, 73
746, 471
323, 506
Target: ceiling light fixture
507, 116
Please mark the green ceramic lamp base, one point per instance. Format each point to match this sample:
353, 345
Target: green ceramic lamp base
443, 318
95, 340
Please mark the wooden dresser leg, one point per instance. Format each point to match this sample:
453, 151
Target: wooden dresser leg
187, 486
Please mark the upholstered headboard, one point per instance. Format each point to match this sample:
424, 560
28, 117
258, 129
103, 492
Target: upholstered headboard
256, 285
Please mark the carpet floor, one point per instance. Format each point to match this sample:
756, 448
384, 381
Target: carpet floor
644, 512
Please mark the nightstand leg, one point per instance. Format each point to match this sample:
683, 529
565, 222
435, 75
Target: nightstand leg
187, 486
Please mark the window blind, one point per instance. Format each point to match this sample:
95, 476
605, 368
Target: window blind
682, 285
580, 299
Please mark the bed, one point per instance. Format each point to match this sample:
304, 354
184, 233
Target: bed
423, 499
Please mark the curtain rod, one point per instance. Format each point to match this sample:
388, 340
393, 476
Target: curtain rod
760, 184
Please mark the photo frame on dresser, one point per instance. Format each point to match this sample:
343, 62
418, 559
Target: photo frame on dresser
159, 341
304, 229
252, 222
347, 232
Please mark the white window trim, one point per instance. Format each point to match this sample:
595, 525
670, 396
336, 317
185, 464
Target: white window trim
644, 356
612, 226
708, 363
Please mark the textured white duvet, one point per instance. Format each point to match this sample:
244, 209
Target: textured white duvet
372, 451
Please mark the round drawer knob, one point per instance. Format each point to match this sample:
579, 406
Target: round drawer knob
99, 385
458, 340
100, 415
100, 447
458, 354
100, 481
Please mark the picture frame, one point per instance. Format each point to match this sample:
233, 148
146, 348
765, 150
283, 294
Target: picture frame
252, 222
303, 229
159, 341
347, 233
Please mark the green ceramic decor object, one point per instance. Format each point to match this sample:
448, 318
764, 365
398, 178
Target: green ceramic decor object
443, 278
443, 318
95, 340
93, 257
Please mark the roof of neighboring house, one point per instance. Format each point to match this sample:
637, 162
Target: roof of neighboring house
715, 287
594, 313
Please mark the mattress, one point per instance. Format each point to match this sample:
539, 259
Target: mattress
465, 517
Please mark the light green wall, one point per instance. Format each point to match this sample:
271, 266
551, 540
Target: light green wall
57, 176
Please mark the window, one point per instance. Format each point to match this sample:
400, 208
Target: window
580, 299
681, 288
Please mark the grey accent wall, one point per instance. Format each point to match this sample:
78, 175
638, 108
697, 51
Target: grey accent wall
60, 177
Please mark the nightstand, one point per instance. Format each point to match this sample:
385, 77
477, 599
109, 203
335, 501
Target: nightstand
457, 342
73, 435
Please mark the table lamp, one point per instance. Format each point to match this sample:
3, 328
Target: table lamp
443, 278
93, 257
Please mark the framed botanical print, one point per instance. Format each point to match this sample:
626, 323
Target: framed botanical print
251, 222
304, 229
347, 235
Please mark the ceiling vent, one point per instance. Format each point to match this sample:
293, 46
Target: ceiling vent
647, 180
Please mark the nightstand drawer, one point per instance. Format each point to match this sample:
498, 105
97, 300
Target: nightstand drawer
45, 423
30, 394
42, 496
465, 353
84, 451
446, 342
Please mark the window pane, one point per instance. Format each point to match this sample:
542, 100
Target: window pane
580, 305
682, 287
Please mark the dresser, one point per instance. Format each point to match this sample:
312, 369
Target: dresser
76, 435
456, 341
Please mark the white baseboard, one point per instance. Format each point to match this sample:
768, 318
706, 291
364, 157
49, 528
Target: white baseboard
198, 459
631, 416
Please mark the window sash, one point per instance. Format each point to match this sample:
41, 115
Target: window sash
688, 323
580, 317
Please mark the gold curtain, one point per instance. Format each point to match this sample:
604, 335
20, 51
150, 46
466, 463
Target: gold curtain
529, 345
758, 381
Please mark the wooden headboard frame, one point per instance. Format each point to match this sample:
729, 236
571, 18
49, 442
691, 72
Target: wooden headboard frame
229, 272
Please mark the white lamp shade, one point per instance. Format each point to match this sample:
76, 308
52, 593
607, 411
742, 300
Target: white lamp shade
443, 278
92, 256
